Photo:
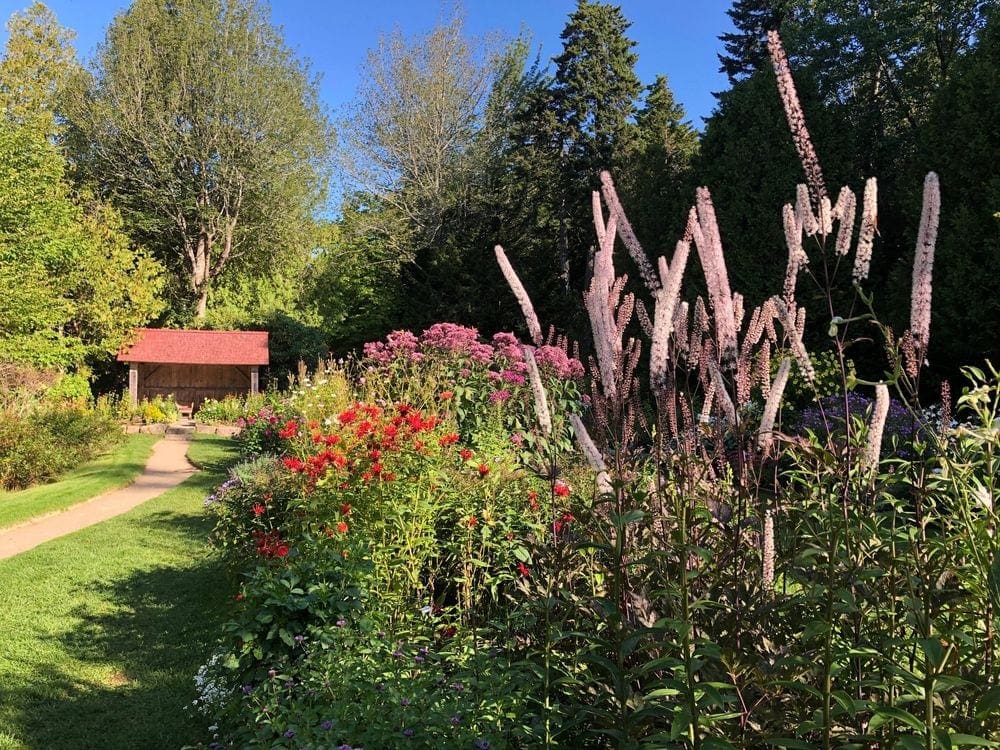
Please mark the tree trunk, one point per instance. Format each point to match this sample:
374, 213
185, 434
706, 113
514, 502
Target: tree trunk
202, 303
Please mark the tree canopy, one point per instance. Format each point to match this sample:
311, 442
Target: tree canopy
174, 126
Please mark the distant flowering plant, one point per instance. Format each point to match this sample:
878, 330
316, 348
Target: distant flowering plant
828, 417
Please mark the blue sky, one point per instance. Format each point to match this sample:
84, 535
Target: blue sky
676, 37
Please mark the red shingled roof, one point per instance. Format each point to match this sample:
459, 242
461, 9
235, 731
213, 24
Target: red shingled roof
170, 346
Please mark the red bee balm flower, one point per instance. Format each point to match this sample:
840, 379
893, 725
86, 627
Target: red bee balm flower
342, 527
445, 395
258, 509
483, 470
472, 521
561, 489
523, 569
465, 453
345, 508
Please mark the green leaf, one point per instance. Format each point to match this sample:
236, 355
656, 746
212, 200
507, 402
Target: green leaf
957, 740
883, 714
988, 702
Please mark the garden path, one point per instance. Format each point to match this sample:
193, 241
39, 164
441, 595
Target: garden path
167, 467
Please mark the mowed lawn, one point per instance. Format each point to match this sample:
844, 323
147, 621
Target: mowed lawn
102, 631
117, 468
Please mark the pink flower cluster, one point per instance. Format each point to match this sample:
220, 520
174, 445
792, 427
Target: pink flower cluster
456, 339
557, 362
505, 354
397, 345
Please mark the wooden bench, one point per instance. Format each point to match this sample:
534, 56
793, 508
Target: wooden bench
186, 410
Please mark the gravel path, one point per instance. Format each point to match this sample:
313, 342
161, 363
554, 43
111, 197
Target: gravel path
167, 467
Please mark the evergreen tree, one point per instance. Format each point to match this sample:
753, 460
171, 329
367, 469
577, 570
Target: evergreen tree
962, 143
746, 48
658, 185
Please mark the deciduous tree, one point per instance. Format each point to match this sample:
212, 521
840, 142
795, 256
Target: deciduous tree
207, 131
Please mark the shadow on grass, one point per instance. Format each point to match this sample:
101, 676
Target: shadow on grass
144, 635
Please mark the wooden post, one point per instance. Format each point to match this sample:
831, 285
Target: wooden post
133, 382
254, 379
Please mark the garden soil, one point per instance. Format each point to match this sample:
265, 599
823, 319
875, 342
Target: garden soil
167, 467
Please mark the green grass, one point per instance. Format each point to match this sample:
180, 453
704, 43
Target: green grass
115, 469
102, 631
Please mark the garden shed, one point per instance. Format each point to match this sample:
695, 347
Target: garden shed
194, 365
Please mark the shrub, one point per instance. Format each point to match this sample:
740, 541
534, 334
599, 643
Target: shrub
51, 438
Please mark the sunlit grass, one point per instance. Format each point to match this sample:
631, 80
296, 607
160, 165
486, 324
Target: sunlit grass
101, 631
115, 469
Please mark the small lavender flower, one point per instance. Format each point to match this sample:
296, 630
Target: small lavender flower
299, 638
247, 689
456, 720
326, 726
405, 702
481, 744
408, 732
289, 733
341, 623
418, 659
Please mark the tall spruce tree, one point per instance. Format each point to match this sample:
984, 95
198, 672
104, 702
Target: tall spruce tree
594, 98
746, 48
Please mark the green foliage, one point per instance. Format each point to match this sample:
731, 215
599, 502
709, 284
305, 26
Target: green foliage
233, 408
959, 142
157, 410
70, 388
40, 442
38, 63
209, 173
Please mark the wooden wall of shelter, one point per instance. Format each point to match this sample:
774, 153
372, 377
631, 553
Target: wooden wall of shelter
190, 385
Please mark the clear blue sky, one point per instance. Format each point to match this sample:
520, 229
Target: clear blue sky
676, 37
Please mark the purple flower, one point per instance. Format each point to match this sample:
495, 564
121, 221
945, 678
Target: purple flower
326, 726
405, 702
456, 720
481, 744
408, 732
418, 659
341, 623
290, 684
510, 376
397, 654
247, 689
289, 733
299, 638
498, 397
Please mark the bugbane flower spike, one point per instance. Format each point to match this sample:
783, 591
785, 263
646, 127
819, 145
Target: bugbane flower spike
796, 120
866, 235
923, 264
527, 309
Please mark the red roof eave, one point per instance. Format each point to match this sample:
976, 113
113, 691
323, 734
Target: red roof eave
170, 346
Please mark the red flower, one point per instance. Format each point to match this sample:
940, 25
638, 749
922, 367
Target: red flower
239, 597
523, 569
281, 551
560, 523
291, 427
332, 439
472, 521
449, 439
483, 470
342, 527
388, 476
258, 509
465, 453
347, 416
345, 508
445, 395
293, 464
561, 489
